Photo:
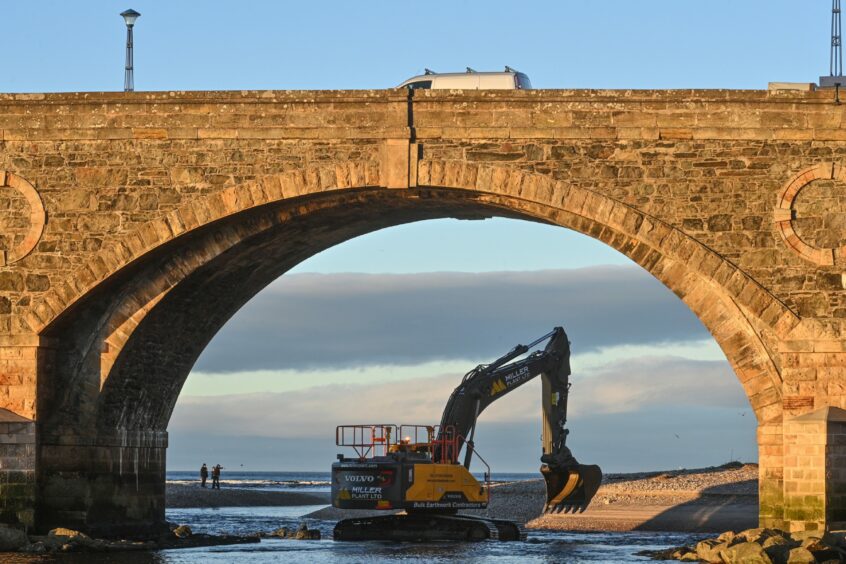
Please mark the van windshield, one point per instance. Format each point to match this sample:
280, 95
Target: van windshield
419, 84
523, 81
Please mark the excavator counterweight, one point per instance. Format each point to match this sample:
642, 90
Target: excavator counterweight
419, 469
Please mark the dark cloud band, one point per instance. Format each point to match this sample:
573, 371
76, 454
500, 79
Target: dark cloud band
318, 321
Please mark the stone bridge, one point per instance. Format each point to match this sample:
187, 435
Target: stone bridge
132, 226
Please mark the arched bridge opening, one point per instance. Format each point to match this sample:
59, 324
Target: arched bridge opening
122, 348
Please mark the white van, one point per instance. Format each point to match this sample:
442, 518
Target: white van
509, 79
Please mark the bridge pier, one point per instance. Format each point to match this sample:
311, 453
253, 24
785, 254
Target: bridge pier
106, 486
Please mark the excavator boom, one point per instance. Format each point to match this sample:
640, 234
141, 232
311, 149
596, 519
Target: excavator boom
569, 485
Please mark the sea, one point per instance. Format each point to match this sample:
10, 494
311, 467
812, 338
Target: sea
548, 547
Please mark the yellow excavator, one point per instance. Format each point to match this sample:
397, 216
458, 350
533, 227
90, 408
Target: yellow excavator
418, 468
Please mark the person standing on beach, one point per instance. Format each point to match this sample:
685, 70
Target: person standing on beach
216, 476
204, 474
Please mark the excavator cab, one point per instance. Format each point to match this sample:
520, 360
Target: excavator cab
570, 489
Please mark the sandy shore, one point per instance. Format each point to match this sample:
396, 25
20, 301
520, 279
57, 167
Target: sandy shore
181, 496
703, 500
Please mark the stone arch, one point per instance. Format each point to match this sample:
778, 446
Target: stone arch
731, 305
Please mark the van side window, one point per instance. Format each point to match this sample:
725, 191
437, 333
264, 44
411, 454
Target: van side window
419, 85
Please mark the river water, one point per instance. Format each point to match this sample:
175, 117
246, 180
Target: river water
542, 546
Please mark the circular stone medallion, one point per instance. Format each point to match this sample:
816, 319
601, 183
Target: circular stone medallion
22, 218
810, 214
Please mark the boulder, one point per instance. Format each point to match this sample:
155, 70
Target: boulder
709, 550
281, 532
686, 556
778, 548
36, 548
800, 536
66, 533
801, 555
68, 540
759, 535
825, 553
304, 533
182, 532
12, 539
727, 537
745, 553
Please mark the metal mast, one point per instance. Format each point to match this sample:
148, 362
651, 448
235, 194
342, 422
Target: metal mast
835, 77
836, 65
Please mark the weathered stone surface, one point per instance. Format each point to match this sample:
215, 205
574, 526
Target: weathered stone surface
182, 531
801, 555
730, 199
12, 539
745, 553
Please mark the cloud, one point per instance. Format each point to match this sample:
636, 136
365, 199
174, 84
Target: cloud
627, 415
317, 321
632, 386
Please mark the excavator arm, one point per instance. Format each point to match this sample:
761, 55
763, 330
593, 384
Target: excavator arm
570, 485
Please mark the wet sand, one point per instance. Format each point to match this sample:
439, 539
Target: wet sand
184, 496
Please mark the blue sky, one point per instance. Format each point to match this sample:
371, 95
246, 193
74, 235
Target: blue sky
214, 44
657, 394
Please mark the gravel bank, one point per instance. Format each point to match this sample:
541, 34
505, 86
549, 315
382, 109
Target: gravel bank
701, 500
182, 496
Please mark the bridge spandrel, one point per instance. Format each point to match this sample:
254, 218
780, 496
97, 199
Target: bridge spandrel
730, 198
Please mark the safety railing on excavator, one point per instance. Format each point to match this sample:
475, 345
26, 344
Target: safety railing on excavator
367, 440
381, 439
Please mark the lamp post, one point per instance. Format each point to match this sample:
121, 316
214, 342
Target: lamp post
129, 16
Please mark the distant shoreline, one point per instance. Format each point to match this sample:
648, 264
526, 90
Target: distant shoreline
187, 496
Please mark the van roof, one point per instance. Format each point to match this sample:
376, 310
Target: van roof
430, 74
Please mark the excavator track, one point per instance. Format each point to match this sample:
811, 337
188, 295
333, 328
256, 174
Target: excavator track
509, 530
427, 527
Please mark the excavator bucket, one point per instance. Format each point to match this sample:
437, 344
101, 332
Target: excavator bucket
570, 489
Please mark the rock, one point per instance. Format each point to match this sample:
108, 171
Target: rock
745, 553
778, 548
68, 540
709, 550
688, 556
36, 548
727, 537
823, 552
667, 554
281, 532
800, 536
759, 535
66, 533
801, 555
304, 533
12, 539
778, 540
182, 532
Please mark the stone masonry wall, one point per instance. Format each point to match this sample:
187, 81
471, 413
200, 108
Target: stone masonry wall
731, 198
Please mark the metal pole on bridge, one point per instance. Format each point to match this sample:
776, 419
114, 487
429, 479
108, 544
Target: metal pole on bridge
129, 16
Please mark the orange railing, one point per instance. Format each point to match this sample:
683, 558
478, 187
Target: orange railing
367, 440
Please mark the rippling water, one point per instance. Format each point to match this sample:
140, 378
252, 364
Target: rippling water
542, 546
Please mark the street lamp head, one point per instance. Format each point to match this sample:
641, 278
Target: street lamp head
129, 16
